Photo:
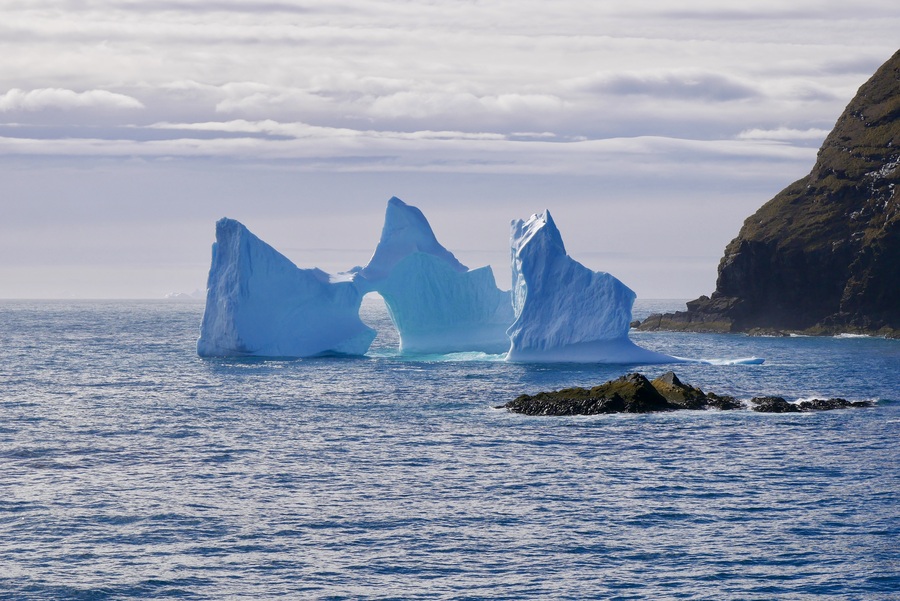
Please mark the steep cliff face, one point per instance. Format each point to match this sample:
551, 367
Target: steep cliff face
824, 254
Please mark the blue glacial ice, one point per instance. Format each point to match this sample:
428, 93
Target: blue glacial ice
563, 310
437, 304
259, 304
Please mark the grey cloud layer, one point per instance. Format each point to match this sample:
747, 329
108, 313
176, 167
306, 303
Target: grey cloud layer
58, 98
322, 81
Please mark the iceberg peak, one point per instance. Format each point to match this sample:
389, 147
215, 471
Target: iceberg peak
541, 225
258, 303
405, 231
436, 303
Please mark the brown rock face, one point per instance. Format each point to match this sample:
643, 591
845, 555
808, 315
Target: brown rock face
823, 256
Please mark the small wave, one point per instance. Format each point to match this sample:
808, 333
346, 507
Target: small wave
437, 357
740, 361
475, 356
495, 357
458, 356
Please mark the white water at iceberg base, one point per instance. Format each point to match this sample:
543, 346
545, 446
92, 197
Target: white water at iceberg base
741, 361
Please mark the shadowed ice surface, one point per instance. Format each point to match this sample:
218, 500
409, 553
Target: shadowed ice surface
131, 468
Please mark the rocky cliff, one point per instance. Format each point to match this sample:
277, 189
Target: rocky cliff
823, 256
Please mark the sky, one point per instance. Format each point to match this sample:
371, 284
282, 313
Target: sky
649, 131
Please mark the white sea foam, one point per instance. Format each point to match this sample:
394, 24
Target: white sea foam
740, 361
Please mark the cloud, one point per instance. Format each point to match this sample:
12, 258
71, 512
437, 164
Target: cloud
784, 134
59, 98
760, 10
420, 105
339, 149
676, 84
304, 130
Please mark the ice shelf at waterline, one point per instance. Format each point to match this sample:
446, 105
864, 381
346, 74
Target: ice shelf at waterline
260, 304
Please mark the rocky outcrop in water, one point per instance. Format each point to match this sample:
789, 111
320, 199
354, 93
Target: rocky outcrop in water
634, 393
776, 404
823, 256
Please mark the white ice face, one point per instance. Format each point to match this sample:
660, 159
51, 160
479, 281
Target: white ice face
260, 304
563, 310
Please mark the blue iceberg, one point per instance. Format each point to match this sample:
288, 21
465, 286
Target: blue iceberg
437, 304
260, 304
563, 310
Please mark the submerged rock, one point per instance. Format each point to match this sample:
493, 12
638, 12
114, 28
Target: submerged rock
827, 405
722, 402
634, 393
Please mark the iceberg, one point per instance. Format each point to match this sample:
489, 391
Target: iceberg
437, 304
259, 304
565, 312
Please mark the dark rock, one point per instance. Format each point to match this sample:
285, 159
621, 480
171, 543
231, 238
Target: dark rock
690, 397
675, 391
822, 405
823, 256
828, 405
636, 392
723, 403
632, 393
773, 404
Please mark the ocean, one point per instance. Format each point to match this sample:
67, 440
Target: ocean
130, 468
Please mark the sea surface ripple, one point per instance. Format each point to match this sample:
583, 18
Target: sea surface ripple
130, 469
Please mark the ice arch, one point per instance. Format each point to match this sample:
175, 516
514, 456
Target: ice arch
260, 304
437, 304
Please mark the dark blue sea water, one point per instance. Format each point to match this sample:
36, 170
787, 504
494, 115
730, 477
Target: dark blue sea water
132, 469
